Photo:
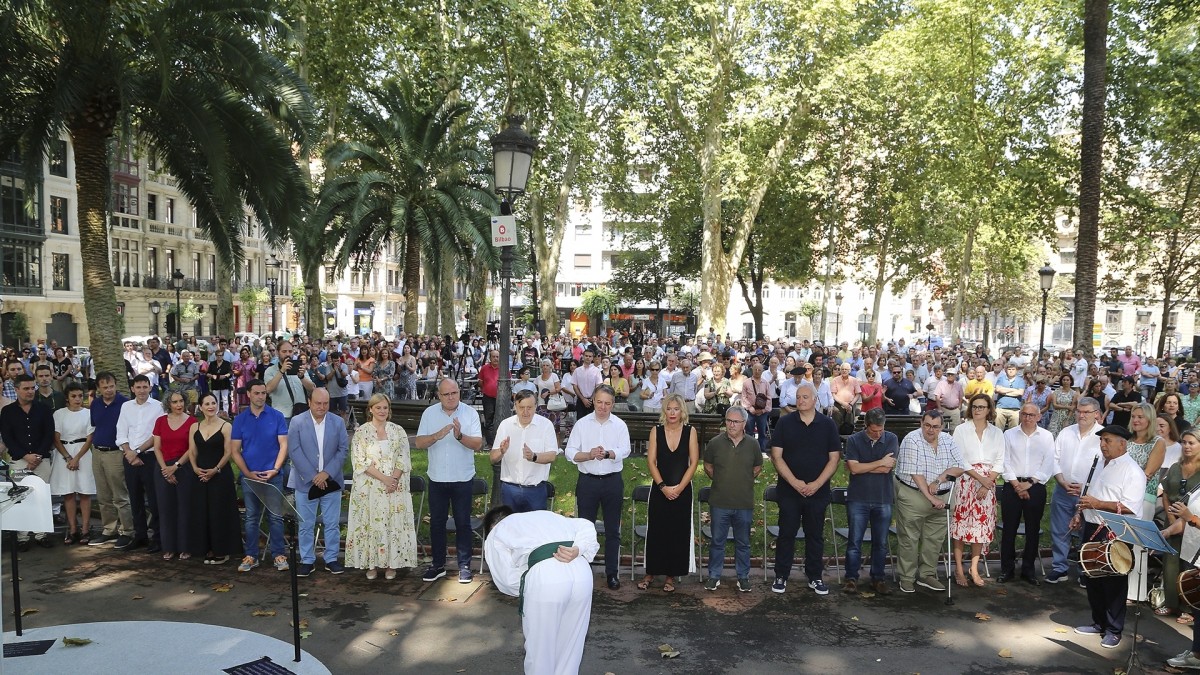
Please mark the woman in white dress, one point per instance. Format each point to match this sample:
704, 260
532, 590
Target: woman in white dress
71, 477
381, 531
974, 522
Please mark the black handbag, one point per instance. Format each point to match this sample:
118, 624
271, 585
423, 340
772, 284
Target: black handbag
331, 485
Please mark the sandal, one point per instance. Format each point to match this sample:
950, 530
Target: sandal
84, 539
1185, 619
68, 538
1164, 611
978, 581
669, 586
645, 582
960, 581
168, 556
185, 556
389, 574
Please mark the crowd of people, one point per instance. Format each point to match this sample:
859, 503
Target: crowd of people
993, 432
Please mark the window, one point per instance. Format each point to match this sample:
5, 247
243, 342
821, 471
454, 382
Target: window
151, 261
152, 206
789, 324
169, 262
125, 199
196, 266
1067, 257
125, 262
583, 260
614, 261
62, 271
12, 203
212, 267
58, 215
20, 267
58, 158
583, 227
355, 279
329, 279
1064, 331
1112, 317
169, 216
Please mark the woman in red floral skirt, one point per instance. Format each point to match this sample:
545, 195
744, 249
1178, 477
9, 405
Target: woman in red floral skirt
974, 523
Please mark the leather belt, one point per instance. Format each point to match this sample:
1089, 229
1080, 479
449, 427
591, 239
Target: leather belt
105, 448
914, 487
601, 475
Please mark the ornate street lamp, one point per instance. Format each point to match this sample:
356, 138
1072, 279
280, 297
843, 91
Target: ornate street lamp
837, 319
275, 265
512, 156
177, 283
1047, 279
309, 290
155, 308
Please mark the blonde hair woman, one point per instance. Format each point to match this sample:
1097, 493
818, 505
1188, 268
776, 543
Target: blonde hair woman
672, 456
381, 531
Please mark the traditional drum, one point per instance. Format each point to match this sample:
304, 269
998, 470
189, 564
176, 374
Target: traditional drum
1105, 558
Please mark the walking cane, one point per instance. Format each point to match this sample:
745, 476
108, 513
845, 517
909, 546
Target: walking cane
949, 582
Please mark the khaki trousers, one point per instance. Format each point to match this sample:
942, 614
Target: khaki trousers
116, 516
920, 534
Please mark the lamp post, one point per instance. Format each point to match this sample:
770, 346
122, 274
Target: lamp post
1046, 274
177, 284
155, 308
309, 289
862, 327
1150, 341
837, 318
272, 281
512, 156
2, 325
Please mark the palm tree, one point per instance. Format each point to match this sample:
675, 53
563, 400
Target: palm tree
1091, 165
418, 177
188, 78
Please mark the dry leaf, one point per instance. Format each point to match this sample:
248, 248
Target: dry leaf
461, 670
263, 612
1005, 653
76, 642
940, 632
1060, 630
665, 647
866, 594
982, 617
393, 632
138, 597
305, 635
221, 588
31, 610
670, 654
194, 592
303, 623
854, 618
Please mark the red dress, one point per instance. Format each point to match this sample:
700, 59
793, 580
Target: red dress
872, 396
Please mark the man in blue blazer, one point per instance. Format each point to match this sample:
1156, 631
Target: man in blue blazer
318, 443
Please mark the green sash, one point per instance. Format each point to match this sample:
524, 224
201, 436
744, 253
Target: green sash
543, 552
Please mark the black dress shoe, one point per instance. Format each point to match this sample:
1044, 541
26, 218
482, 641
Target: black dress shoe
45, 542
153, 548
613, 582
1031, 579
1004, 578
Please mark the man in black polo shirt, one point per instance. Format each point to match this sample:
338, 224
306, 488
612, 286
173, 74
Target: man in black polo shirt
897, 392
805, 450
870, 457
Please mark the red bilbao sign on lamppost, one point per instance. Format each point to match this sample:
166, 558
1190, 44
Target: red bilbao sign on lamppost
504, 231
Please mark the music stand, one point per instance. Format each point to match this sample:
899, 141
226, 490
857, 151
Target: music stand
1142, 533
278, 505
24, 507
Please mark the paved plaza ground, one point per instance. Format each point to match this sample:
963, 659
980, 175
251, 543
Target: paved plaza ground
361, 626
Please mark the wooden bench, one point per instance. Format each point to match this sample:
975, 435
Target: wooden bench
901, 425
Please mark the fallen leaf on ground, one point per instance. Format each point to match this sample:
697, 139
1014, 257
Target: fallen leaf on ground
866, 594
665, 647
263, 612
137, 597
854, 618
221, 588
1005, 653
194, 592
393, 632
982, 617
305, 635
461, 670
1001, 591
940, 632
1060, 630
31, 610
670, 654
303, 623
76, 642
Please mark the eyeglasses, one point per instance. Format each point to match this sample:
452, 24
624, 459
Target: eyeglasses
980, 407
735, 421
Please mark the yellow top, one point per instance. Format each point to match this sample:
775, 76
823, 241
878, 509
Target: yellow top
979, 387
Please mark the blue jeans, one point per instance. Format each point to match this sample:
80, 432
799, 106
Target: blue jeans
444, 497
330, 507
1062, 509
722, 520
879, 516
523, 499
254, 512
758, 424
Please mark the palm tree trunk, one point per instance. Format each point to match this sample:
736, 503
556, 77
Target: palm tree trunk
1091, 167
99, 296
412, 280
225, 272
432, 299
477, 294
446, 292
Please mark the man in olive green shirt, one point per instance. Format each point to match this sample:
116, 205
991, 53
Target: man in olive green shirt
733, 461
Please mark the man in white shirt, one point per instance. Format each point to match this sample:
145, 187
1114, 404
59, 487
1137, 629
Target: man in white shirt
684, 384
317, 446
135, 438
1076, 452
585, 380
598, 446
1079, 371
1028, 464
1118, 487
787, 390
525, 446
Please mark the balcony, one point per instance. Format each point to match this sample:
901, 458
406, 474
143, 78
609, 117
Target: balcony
31, 229
159, 227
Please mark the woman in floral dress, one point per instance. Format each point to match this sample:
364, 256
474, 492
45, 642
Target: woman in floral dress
1062, 406
384, 374
974, 522
244, 370
381, 531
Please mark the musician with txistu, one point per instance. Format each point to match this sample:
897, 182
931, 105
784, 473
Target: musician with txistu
1118, 487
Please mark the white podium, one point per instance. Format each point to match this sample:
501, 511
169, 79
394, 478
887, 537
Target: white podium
24, 507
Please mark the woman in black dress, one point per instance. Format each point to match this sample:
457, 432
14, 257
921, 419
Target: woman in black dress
215, 528
672, 455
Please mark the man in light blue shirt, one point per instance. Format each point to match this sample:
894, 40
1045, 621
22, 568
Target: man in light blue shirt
1010, 387
452, 433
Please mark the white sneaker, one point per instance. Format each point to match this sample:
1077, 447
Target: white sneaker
1184, 660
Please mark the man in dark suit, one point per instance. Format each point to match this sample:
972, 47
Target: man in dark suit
318, 443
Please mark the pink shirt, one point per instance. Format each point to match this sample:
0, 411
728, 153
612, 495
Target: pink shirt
587, 378
751, 388
1132, 364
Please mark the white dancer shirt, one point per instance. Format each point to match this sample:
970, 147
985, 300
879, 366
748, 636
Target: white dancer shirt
558, 596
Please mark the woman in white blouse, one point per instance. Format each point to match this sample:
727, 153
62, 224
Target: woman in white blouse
974, 522
653, 388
